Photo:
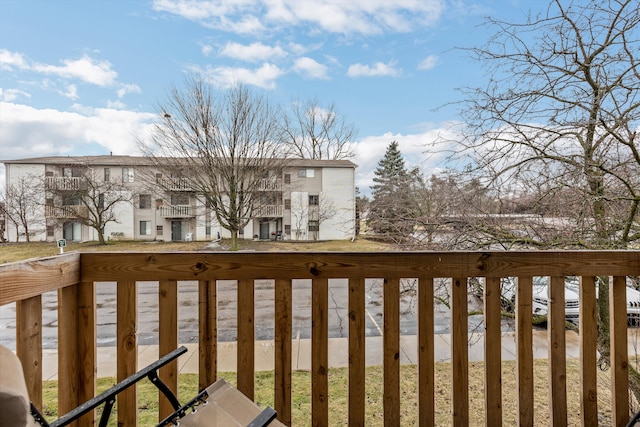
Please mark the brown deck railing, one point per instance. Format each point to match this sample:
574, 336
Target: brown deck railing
75, 277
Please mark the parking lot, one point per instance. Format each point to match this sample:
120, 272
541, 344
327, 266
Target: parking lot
227, 317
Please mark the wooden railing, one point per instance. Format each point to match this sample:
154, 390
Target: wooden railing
65, 211
76, 277
177, 211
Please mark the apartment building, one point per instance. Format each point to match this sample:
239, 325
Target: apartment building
305, 200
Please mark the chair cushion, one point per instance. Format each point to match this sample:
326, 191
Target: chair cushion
14, 398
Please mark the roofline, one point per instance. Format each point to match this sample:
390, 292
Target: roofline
147, 161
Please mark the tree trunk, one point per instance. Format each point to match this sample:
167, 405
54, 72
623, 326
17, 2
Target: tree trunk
234, 240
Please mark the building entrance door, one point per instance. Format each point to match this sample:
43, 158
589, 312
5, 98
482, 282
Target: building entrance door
177, 231
264, 231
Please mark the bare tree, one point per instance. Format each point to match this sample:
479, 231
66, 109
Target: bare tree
92, 200
225, 145
20, 205
561, 110
313, 132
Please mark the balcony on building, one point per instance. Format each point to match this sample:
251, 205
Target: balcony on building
64, 183
177, 211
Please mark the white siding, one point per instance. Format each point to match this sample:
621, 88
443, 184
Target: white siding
338, 191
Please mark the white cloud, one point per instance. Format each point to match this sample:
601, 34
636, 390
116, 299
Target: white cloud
310, 68
9, 60
128, 88
343, 17
206, 49
377, 70
417, 150
428, 63
29, 132
254, 52
264, 77
86, 69
11, 95
71, 92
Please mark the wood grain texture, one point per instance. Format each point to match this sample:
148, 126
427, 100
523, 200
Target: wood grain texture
619, 356
391, 351
26, 279
426, 353
557, 352
167, 341
492, 353
309, 265
282, 369
588, 354
127, 350
246, 338
319, 352
207, 334
357, 352
524, 350
29, 345
459, 353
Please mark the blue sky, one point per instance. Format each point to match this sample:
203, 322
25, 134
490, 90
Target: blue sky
83, 77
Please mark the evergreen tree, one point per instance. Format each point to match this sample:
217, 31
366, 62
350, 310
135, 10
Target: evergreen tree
393, 206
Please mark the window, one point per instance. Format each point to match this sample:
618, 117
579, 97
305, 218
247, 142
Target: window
180, 199
101, 201
127, 174
314, 225
67, 172
302, 173
314, 200
287, 203
49, 202
159, 230
287, 178
107, 174
50, 231
145, 228
287, 229
145, 201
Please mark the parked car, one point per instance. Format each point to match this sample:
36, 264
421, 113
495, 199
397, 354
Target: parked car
571, 296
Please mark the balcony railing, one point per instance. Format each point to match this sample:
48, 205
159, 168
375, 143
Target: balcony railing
178, 211
175, 184
268, 211
77, 277
63, 212
66, 183
270, 184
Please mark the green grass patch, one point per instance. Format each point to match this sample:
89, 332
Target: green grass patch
374, 411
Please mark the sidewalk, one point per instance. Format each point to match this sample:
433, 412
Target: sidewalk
338, 353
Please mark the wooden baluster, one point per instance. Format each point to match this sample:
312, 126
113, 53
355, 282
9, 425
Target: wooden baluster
246, 338
459, 353
557, 352
357, 347
29, 345
391, 354
283, 330
207, 333
168, 341
319, 352
588, 341
126, 328
492, 352
619, 356
524, 350
426, 385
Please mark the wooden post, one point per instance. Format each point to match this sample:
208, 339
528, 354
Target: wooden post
588, 341
168, 341
246, 338
619, 356
127, 298
557, 352
319, 352
356, 351
492, 352
391, 353
524, 350
29, 345
459, 353
283, 330
207, 333
426, 348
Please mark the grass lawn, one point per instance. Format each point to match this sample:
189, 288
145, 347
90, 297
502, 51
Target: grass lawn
338, 396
